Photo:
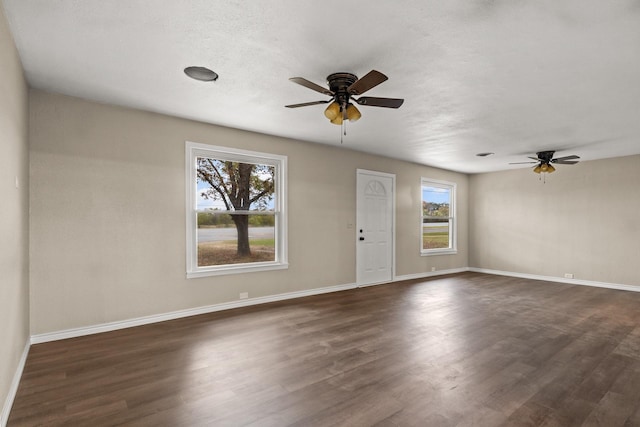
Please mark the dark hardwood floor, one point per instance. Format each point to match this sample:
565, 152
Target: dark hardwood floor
462, 350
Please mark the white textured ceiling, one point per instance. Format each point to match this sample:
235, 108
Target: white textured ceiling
509, 77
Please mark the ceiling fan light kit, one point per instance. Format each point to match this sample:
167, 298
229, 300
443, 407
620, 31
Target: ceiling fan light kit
334, 113
544, 168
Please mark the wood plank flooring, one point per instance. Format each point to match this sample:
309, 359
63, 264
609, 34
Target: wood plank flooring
461, 350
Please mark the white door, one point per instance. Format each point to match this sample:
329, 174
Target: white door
374, 228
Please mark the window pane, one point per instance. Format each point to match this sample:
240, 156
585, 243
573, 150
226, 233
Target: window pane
435, 233
436, 201
228, 186
218, 244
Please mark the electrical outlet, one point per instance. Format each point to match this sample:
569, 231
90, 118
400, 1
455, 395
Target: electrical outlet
433, 269
244, 295
568, 275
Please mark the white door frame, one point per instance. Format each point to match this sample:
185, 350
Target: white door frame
360, 172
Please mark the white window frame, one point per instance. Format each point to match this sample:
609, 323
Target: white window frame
453, 228
194, 150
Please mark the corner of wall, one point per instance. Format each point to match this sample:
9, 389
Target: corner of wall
14, 218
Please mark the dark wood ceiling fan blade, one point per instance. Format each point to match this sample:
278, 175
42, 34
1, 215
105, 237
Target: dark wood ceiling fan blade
306, 83
572, 157
522, 163
533, 158
306, 104
372, 79
379, 102
565, 162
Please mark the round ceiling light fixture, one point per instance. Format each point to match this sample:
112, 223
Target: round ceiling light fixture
201, 73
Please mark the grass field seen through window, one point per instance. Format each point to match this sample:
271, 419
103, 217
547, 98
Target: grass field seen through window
225, 252
435, 240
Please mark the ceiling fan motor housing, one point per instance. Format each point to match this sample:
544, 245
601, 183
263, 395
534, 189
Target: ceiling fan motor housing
339, 83
545, 156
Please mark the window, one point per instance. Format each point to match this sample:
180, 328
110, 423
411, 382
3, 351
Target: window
236, 214
438, 225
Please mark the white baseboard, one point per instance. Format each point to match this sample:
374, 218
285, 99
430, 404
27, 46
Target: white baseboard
13, 389
581, 282
430, 274
139, 321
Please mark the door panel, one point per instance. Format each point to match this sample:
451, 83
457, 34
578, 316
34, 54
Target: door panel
374, 231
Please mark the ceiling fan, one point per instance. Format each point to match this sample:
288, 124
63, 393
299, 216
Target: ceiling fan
545, 159
342, 89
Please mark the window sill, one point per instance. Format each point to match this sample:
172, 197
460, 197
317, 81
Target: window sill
439, 252
235, 269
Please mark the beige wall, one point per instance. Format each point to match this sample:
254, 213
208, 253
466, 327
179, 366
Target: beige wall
584, 220
108, 214
14, 211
